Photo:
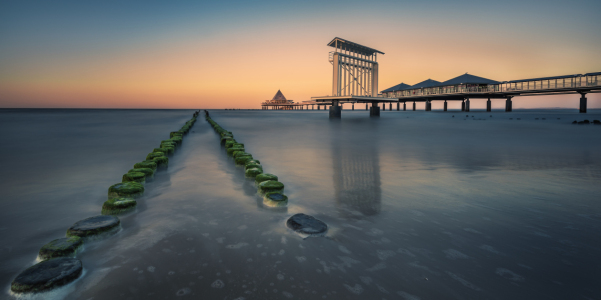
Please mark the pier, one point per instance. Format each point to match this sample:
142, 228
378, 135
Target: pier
355, 80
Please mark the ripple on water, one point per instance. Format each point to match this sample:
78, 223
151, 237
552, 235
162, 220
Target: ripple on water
218, 284
356, 289
183, 292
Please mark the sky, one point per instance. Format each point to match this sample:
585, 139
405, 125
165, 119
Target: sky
236, 54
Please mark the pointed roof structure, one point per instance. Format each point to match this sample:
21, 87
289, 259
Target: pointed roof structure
424, 84
468, 79
399, 87
279, 96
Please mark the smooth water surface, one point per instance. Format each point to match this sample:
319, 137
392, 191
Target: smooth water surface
420, 205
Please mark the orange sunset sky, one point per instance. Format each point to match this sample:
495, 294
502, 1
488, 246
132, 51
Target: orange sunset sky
234, 55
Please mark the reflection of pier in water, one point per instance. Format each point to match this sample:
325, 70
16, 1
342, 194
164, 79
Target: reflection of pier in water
357, 183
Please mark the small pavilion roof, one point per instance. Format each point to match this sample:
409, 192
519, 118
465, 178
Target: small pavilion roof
399, 87
351, 46
424, 84
468, 79
279, 96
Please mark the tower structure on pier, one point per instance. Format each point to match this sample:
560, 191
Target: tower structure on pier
355, 69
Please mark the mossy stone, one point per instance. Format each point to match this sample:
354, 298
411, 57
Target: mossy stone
265, 177
126, 189
230, 151
175, 133
47, 275
93, 226
250, 165
241, 160
134, 176
146, 164
152, 155
254, 161
118, 205
162, 161
169, 143
230, 143
168, 149
240, 153
253, 172
225, 139
67, 246
271, 186
147, 171
275, 199
177, 139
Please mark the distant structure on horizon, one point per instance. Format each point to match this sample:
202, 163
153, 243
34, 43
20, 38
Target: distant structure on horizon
280, 102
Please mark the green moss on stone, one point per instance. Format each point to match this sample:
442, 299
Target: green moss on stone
241, 160
271, 186
94, 226
62, 247
264, 177
134, 176
275, 199
162, 162
175, 133
47, 275
168, 143
177, 139
250, 165
253, 172
147, 171
146, 164
152, 155
230, 143
230, 151
253, 161
126, 189
118, 205
240, 153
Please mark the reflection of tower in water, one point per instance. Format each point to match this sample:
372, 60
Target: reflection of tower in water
357, 175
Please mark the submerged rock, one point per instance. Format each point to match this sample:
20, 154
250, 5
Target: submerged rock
271, 186
162, 162
251, 165
147, 171
135, 177
67, 246
146, 164
152, 155
175, 133
177, 140
275, 199
231, 150
306, 224
241, 160
93, 226
126, 189
240, 153
253, 172
118, 205
47, 275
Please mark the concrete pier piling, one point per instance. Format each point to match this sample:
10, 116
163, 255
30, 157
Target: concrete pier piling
398, 106
335, 110
445, 105
374, 110
582, 103
413, 105
467, 104
488, 105
508, 104
462, 105
404, 106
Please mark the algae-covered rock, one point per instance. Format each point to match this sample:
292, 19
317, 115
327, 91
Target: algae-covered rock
265, 177
175, 133
275, 199
152, 155
177, 139
240, 153
126, 189
93, 226
118, 205
168, 149
47, 275
241, 160
162, 162
169, 143
230, 151
230, 143
253, 172
147, 171
307, 225
146, 164
67, 246
253, 161
271, 186
134, 176
251, 165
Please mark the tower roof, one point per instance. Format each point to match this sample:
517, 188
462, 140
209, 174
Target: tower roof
279, 96
468, 79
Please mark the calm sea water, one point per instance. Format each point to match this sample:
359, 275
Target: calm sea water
420, 205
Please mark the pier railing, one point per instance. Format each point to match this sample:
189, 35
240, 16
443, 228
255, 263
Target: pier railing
532, 85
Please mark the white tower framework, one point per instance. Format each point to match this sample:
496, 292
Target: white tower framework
355, 69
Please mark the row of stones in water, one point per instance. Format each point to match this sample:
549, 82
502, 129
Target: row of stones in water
58, 266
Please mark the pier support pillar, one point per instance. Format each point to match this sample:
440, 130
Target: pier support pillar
398, 106
462, 105
374, 110
365, 106
445, 105
508, 104
467, 104
488, 105
318, 107
312, 106
390, 106
353, 108
404, 106
428, 105
582, 103
335, 110
413, 105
